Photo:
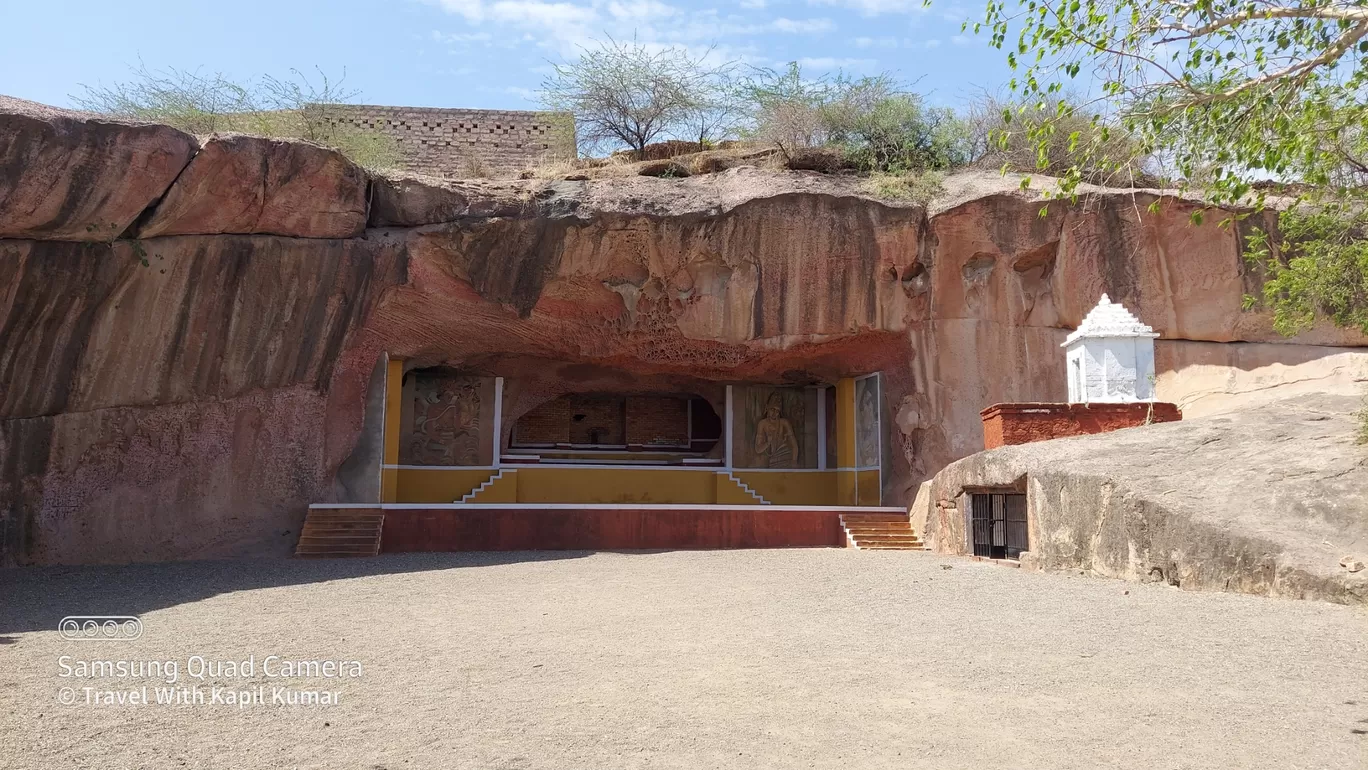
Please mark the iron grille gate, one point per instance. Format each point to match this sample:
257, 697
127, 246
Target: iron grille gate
998, 524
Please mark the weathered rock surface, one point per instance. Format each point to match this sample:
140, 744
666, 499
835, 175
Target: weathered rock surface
1264, 500
410, 202
739, 276
247, 185
69, 176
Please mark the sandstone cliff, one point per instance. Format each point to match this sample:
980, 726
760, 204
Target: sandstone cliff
189, 330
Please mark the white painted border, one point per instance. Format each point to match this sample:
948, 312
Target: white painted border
785, 470
689, 418
443, 467
605, 506
878, 433
727, 428
498, 418
821, 428
533, 466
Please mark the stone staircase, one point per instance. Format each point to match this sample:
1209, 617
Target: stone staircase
500, 487
338, 533
880, 531
746, 488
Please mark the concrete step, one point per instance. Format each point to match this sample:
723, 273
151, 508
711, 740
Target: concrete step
340, 533
340, 540
368, 519
310, 526
854, 518
890, 548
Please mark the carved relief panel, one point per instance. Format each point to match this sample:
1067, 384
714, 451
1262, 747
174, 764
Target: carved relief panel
774, 427
447, 418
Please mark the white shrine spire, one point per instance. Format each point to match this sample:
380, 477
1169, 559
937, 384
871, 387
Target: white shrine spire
1110, 357
1109, 319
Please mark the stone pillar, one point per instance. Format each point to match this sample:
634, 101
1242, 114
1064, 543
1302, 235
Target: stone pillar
394, 411
847, 490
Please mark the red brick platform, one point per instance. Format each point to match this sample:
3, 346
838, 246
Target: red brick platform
1005, 424
523, 527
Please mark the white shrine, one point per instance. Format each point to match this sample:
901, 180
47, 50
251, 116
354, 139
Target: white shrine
1110, 357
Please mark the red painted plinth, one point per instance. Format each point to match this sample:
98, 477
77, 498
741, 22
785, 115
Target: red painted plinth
1005, 424
589, 528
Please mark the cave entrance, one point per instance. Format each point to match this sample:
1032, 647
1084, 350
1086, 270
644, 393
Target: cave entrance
998, 528
618, 428
467, 436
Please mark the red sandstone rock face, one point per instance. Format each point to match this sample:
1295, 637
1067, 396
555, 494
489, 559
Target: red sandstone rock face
195, 406
66, 176
246, 184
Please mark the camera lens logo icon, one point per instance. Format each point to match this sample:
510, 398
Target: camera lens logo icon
100, 628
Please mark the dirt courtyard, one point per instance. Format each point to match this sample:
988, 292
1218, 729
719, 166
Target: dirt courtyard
746, 659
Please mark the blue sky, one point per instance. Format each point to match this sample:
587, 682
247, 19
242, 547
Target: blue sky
479, 53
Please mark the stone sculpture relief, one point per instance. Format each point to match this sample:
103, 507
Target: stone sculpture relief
867, 422
446, 421
776, 445
770, 425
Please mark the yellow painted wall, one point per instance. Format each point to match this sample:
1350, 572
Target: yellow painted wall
437, 485
394, 400
606, 458
868, 488
532, 484
810, 488
611, 485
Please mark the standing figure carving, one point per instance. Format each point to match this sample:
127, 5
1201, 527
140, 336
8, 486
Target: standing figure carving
775, 441
868, 424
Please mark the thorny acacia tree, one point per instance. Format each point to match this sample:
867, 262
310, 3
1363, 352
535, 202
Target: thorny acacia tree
877, 123
632, 93
1232, 92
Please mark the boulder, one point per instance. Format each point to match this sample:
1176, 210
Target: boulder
252, 185
1263, 500
410, 202
79, 177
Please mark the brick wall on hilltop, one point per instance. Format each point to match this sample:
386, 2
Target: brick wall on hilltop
465, 143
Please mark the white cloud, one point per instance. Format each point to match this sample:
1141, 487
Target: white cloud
560, 24
640, 10
831, 63
476, 37
961, 40
875, 42
802, 26
754, 3
876, 7
564, 26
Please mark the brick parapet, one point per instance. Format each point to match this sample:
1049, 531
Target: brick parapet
1022, 423
465, 143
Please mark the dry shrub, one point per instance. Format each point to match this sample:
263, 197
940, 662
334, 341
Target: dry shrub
663, 168
919, 188
827, 160
669, 149
1051, 138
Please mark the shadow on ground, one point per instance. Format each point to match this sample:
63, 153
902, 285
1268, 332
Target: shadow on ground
36, 598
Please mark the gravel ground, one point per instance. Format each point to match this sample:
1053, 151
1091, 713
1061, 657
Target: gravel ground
785, 658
